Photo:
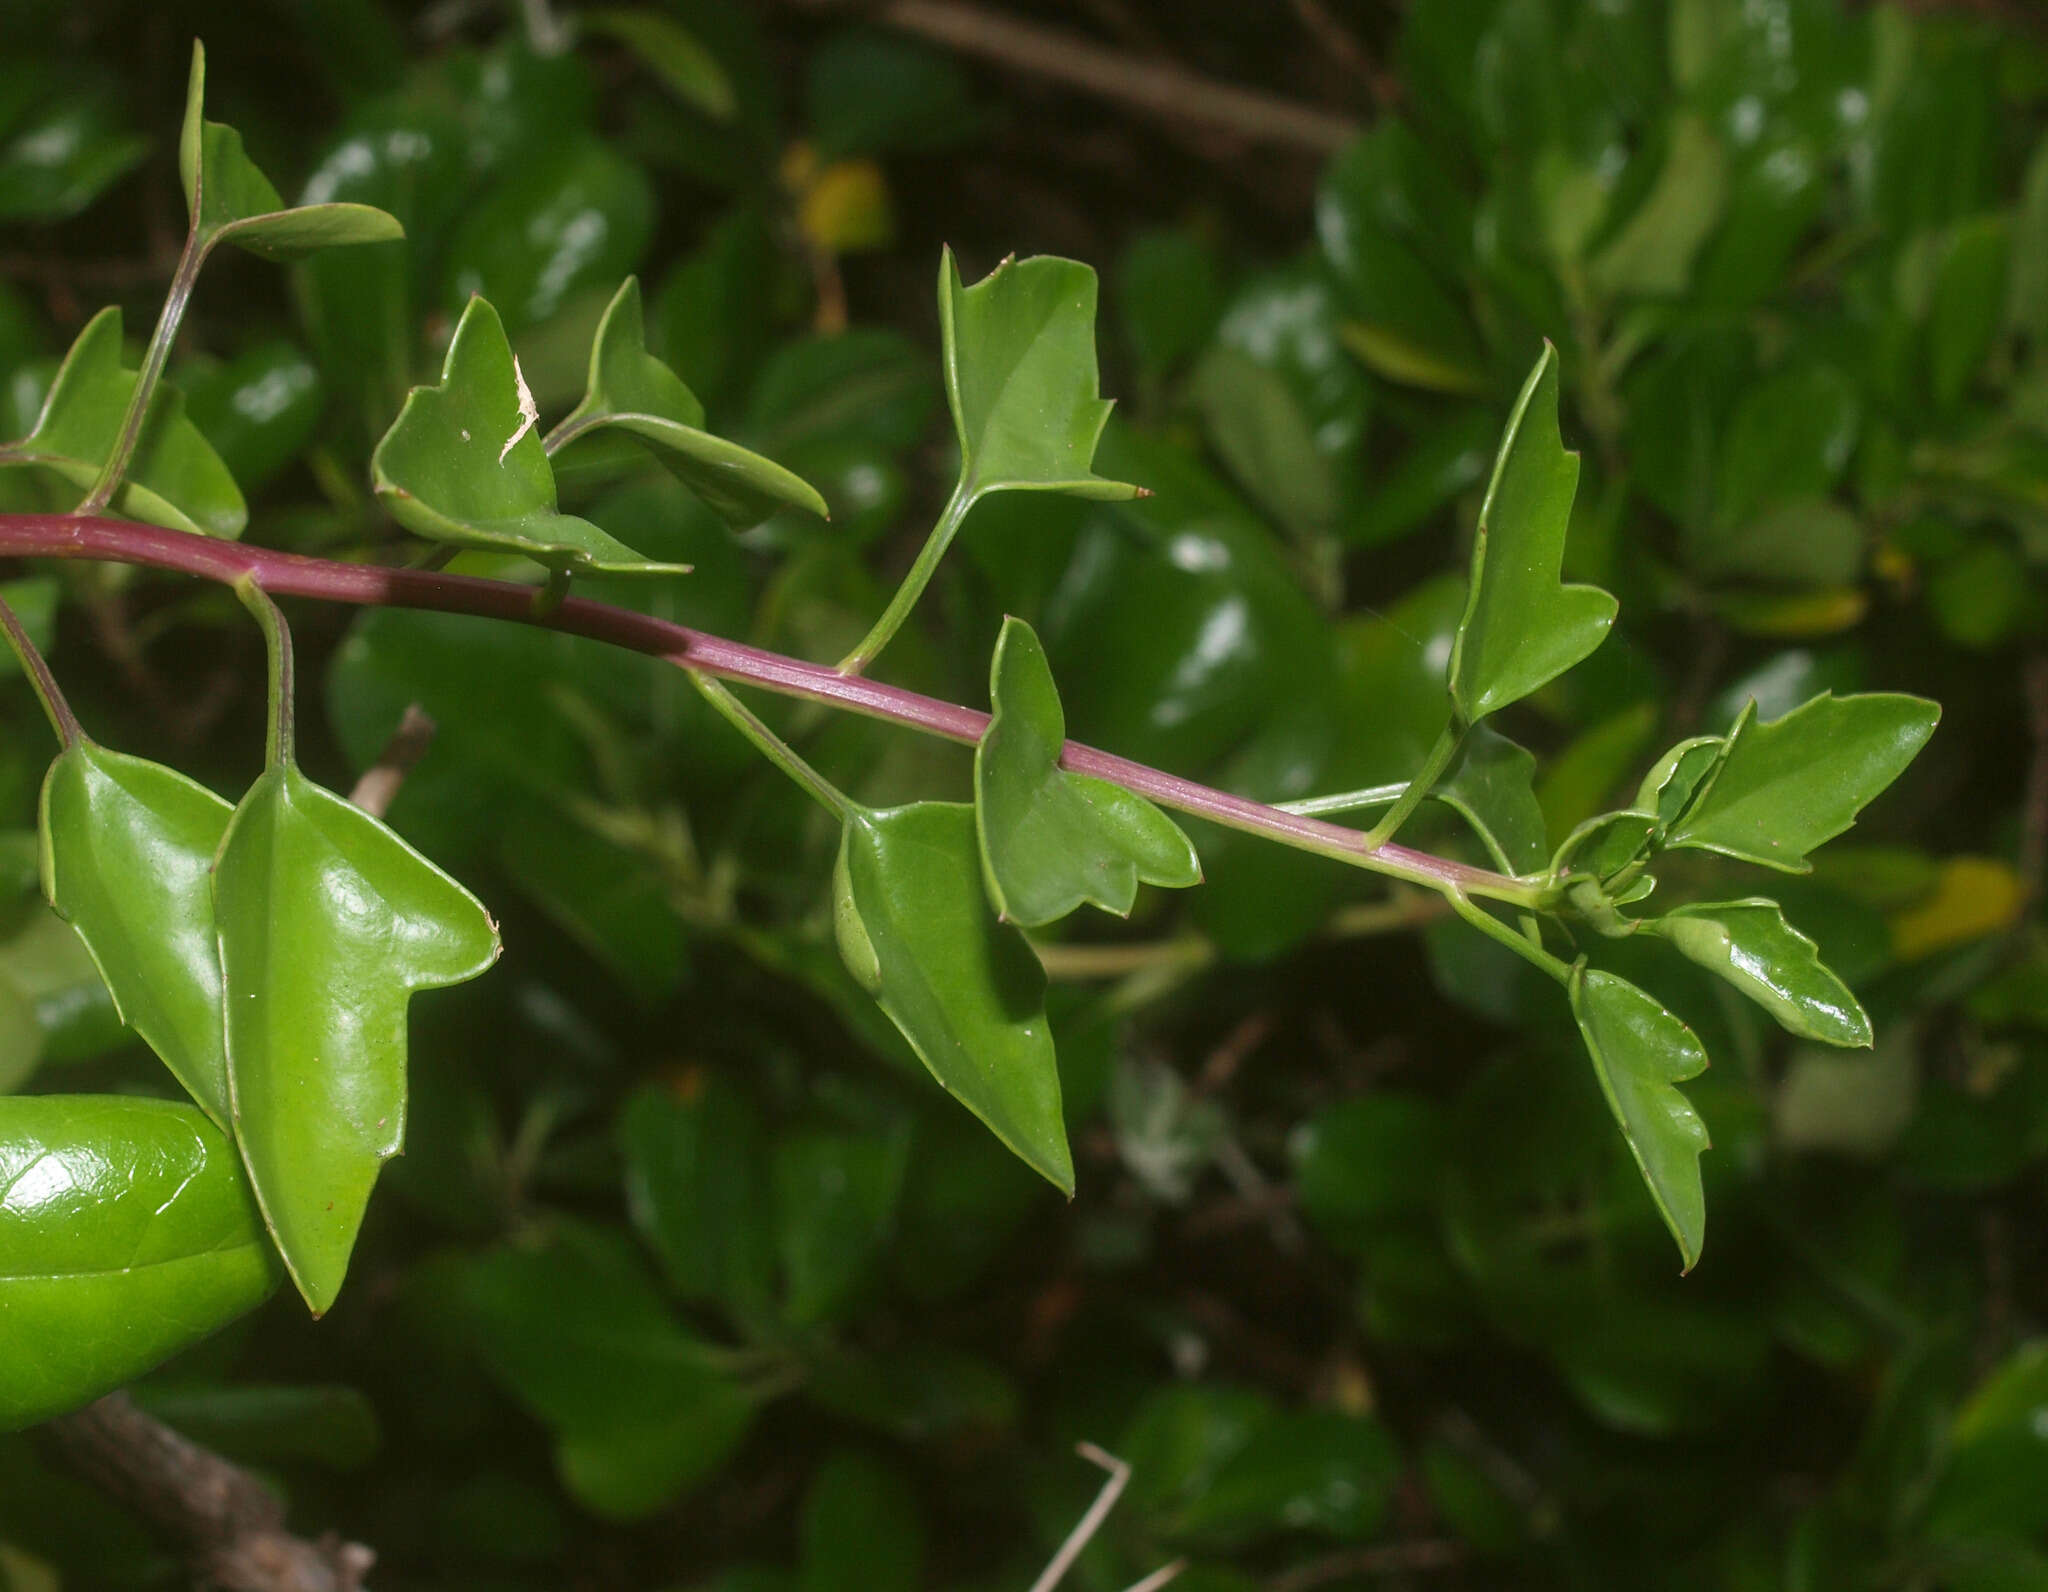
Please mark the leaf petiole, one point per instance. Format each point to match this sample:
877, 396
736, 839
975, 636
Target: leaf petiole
62, 719
279, 746
1492, 927
772, 746
1440, 758
914, 583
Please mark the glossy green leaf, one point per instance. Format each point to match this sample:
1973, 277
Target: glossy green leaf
915, 929
464, 464
1750, 944
630, 389
1782, 788
638, 1404
175, 478
569, 217
674, 55
1640, 1054
328, 924
127, 1233
1522, 627
229, 200
1492, 787
127, 857
1021, 378
1051, 840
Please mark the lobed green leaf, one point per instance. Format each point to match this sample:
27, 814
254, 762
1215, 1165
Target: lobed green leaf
1051, 840
1750, 944
328, 924
1523, 627
1640, 1053
915, 929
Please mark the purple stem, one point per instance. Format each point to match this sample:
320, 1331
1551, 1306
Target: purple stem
297, 575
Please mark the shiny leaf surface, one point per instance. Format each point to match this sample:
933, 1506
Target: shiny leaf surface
632, 390
1784, 787
915, 929
1051, 840
464, 464
1522, 627
328, 924
1750, 944
127, 857
127, 1233
175, 478
1640, 1054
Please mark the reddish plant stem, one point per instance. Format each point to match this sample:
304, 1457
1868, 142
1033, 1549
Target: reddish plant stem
297, 575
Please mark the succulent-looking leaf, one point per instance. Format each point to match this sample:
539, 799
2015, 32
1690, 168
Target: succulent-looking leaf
1640, 1053
1522, 626
463, 463
1783, 788
1750, 944
1021, 378
229, 199
328, 924
127, 857
915, 929
127, 1233
1051, 840
175, 479
630, 389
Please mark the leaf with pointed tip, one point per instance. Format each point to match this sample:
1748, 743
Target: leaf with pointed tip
1051, 840
1523, 627
127, 1233
1021, 378
328, 924
229, 199
1750, 944
463, 463
1784, 787
1640, 1054
915, 929
175, 478
127, 857
630, 389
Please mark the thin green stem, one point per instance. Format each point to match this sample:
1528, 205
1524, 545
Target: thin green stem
1433, 766
153, 361
1492, 927
773, 747
914, 583
280, 741
62, 720
1349, 801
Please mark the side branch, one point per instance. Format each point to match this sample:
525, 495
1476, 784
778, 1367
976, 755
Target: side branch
298, 575
228, 1522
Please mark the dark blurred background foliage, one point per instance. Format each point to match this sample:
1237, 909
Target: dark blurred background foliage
689, 1277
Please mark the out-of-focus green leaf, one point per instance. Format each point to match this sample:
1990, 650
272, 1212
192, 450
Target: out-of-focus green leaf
175, 478
671, 52
570, 218
1316, 1470
1789, 438
576, 1331
866, 383
1968, 305
229, 200
258, 410
1360, 1161
1438, 464
127, 1233
1640, 1054
1169, 292
328, 923
1051, 840
464, 464
66, 141
1522, 627
870, 93
696, 1190
605, 896
1750, 944
1653, 252
916, 931
835, 1198
127, 856
1021, 377
630, 389
1780, 789
860, 1530
335, 1427
1262, 432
